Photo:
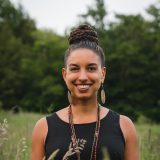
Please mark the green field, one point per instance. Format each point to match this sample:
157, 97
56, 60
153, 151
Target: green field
15, 144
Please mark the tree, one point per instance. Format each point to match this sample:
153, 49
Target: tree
97, 15
153, 48
47, 88
15, 39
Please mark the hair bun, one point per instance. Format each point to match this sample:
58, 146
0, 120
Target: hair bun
83, 33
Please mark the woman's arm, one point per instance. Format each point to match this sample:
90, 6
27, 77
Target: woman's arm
38, 139
131, 139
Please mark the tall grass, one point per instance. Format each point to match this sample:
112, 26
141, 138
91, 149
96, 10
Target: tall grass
149, 137
17, 143
16, 130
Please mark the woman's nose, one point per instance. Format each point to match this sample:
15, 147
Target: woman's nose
83, 76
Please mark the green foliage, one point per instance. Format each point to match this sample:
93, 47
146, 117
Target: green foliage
15, 40
97, 14
31, 61
45, 70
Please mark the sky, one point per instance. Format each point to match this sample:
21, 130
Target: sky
58, 15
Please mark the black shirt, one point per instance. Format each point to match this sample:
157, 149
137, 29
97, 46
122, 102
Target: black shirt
110, 139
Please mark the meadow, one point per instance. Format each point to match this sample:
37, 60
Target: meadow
16, 130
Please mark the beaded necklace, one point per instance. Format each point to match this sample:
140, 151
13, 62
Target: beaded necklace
74, 139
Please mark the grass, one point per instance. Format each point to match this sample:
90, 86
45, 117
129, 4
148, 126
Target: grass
16, 130
19, 130
149, 137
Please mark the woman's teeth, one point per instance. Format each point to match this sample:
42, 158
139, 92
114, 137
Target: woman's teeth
83, 86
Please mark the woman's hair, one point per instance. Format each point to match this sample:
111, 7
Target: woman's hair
84, 36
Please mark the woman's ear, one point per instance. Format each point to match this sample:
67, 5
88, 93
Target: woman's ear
64, 73
103, 74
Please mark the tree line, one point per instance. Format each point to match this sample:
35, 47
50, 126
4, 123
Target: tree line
31, 60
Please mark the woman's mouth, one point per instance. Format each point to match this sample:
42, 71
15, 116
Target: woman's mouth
86, 86
83, 87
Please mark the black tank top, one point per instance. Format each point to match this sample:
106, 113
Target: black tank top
110, 139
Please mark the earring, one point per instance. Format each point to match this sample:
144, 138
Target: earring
69, 97
103, 96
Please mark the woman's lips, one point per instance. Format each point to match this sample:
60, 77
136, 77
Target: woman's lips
83, 87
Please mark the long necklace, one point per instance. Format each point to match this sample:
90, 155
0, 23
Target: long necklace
96, 134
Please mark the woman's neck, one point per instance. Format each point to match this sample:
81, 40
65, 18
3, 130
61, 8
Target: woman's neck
85, 106
84, 111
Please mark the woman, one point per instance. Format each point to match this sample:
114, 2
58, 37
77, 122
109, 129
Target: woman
84, 129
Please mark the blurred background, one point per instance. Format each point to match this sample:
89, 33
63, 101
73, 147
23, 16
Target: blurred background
32, 50
33, 40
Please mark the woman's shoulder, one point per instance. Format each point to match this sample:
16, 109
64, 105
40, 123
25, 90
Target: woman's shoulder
126, 122
128, 127
131, 137
40, 131
41, 124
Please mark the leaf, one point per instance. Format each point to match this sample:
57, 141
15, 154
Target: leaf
52, 156
105, 153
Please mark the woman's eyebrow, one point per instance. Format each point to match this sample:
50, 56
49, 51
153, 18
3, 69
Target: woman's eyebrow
92, 64
76, 65
72, 64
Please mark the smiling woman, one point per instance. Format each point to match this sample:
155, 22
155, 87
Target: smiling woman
82, 75
84, 128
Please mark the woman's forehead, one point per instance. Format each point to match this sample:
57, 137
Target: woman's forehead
83, 56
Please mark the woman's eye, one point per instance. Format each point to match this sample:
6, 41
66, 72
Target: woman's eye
73, 69
91, 69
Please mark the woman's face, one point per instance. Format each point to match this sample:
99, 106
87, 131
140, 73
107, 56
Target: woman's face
83, 74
